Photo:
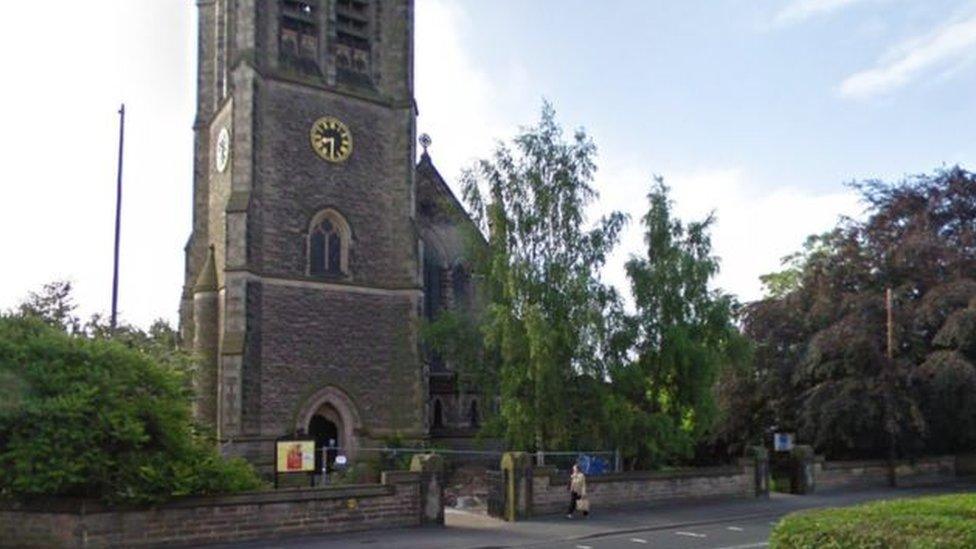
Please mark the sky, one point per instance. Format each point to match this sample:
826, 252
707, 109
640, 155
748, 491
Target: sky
757, 110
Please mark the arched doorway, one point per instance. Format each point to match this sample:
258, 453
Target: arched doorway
335, 407
326, 435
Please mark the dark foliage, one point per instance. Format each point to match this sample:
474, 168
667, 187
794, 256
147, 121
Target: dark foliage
821, 365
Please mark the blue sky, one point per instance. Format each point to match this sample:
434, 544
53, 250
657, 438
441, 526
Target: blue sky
757, 109
681, 84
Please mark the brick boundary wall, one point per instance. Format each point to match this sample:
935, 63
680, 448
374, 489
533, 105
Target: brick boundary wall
550, 495
396, 502
872, 473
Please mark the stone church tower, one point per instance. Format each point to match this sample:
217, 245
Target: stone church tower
305, 269
318, 246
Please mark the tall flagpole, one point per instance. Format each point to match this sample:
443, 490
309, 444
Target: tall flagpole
118, 218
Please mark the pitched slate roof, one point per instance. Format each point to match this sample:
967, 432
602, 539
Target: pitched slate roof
436, 202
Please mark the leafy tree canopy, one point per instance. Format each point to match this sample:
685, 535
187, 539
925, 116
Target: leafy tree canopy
573, 369
681, 338
821, 357
93, 416
543, 325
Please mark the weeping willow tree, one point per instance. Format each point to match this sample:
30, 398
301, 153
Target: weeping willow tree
543, 327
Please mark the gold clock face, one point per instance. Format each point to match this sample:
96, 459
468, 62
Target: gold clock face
331, 139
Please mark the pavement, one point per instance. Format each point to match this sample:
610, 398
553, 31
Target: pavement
709, 523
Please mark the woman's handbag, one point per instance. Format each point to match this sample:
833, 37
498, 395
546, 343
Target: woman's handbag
583, 504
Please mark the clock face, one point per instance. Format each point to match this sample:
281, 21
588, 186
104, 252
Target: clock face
222, 151
331, 139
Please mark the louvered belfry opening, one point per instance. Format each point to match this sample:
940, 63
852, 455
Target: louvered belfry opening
298, 41
352, 48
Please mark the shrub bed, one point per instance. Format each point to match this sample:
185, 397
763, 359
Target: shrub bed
942, 521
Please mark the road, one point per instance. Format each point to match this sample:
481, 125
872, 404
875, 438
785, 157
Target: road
710, 524
738, 533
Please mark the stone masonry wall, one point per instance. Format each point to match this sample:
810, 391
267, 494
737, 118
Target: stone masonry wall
934, 470
358, 342
372, 190
850, 474
193, 521
550, 494
864, 474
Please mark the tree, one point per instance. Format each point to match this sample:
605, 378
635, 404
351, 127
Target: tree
822, 337
53, 305
683, 336
543, 327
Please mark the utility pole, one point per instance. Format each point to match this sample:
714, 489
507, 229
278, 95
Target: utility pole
118, 218
889, 386
891, 325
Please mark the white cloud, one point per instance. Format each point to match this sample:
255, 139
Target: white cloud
755, 228
948, 47
801, 10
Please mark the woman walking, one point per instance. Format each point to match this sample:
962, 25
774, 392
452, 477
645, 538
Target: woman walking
577, 493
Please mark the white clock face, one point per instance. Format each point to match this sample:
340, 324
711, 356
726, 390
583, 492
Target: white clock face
223, 149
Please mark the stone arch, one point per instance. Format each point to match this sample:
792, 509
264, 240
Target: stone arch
333, 404
434, 246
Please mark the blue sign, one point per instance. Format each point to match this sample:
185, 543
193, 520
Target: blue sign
783, 442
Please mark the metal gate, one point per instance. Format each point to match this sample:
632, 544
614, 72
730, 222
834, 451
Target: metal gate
496, 493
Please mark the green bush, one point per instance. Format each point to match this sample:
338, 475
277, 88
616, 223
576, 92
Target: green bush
943, 521
364, 472
95, 418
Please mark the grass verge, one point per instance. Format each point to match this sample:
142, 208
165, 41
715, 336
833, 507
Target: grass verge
941, 521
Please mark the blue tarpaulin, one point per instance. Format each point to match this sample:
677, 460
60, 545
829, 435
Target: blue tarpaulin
592, 465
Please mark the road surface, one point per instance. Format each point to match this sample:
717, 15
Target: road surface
710, 524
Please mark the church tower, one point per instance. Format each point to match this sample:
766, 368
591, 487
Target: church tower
304, 284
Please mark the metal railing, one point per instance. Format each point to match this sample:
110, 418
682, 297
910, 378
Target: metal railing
592, 462
334, 464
